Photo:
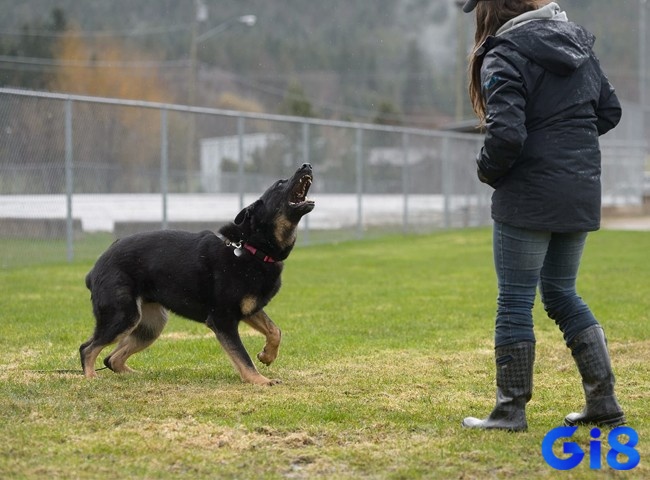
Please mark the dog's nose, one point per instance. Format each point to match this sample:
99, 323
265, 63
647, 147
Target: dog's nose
306, 166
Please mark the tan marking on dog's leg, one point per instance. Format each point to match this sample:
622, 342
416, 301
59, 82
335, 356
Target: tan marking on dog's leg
92, 348
263, 324
90, 357
153, 318
251, 375
248, 373
248, 305
124, 349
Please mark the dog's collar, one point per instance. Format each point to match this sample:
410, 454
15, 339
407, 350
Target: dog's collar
259, 254
240, 246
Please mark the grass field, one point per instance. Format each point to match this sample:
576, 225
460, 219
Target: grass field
387, 345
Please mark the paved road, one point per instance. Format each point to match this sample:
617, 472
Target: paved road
640, 223
100, 212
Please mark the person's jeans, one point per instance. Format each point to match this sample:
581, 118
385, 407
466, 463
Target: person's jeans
525, 259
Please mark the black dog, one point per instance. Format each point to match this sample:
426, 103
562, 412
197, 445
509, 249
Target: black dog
216, 279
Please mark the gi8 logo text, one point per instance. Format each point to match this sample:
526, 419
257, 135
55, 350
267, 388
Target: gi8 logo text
576, 454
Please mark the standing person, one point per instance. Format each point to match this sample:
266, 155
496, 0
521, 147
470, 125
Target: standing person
539, 91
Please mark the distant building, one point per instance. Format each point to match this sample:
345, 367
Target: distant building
395, 156
216, 150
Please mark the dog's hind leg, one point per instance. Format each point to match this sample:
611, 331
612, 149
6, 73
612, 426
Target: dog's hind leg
261, 322
228, 336
115, 319
89, 353
153, 318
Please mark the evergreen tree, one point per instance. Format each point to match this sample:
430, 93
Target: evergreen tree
416, 89
296, 103
32, 45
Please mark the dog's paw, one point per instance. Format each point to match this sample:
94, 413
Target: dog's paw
262, 380
265, 358
258, 379
268, 382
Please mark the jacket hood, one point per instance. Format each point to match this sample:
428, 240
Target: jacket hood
560, 47
546, 37
551, 11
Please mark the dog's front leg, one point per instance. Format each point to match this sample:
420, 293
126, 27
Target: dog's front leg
228, 337
261, 322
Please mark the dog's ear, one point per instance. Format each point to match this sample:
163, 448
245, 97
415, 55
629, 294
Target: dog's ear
246, 213
241, 216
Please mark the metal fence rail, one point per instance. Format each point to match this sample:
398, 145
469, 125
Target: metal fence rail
76, 171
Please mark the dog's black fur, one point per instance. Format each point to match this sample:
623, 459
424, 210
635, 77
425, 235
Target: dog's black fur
218, 280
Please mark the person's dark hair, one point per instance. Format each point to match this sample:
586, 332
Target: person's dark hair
490, 16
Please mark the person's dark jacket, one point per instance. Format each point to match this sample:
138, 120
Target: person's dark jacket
547, 102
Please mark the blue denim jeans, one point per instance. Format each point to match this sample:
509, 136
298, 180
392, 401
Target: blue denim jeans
525, 259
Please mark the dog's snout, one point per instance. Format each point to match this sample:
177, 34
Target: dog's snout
306, 166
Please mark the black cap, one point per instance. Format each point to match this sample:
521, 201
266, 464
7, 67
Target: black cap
469, 5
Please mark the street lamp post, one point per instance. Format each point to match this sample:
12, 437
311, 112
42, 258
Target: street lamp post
461, 55
643, 65
200, 16
247, 20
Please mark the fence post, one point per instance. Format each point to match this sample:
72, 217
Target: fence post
164, 166
305, 159
446, 181
241, 126
69, 181
405, 181
359, 162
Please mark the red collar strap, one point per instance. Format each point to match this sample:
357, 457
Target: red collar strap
259, 254
237, 246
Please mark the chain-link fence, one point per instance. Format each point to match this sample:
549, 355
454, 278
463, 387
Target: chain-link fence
77, 172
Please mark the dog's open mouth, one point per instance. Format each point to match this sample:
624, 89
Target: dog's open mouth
299, 192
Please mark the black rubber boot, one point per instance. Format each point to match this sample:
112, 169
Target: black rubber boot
589, 350
514, 365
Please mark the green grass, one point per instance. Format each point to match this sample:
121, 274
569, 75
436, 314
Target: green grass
18, 252
387, 346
